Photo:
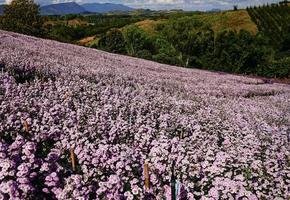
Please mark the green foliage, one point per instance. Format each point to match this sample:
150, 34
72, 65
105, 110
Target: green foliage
22, 16
272, 20
277, 69
190, 43
65, 33
144, 53
64, 29
184, 34
166, 53
240, 52
197, 46
137, 41
285, 44
113, 41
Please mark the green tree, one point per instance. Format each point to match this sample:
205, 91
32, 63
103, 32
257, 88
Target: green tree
113, 42
182, 34
22, 16
166, 53
137, 41
241, 52
285, 46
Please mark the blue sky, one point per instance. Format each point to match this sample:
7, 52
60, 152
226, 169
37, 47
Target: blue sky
170, 4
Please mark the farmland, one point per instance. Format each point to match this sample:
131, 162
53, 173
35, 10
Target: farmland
79, 123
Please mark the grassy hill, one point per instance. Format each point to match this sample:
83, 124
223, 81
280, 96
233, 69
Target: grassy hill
219, 21
149, 25
228, 20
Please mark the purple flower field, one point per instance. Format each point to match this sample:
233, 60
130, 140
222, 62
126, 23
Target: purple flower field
78, 123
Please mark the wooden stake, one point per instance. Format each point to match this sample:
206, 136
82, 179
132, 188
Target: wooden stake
146, 174
72, 157
66, 96
26, 126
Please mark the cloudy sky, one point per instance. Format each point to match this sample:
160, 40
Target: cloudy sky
169, 4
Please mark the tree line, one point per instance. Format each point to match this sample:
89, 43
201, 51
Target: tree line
273, 20
190, 43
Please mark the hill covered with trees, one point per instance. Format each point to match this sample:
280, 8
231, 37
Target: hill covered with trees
253, 41
274, 21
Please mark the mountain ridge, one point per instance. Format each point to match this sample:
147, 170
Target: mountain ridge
62, 9
1, 9
105, 7
75, 8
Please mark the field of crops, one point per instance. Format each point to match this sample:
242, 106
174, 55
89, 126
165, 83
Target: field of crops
78, 123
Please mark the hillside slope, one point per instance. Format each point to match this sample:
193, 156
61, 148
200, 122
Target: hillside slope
78, 122
273, 21
229, 20
217, 21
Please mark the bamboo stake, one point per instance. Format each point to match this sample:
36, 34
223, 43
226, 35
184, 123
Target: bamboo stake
146, 174
173, 182
181, 135
26, 126
72, 157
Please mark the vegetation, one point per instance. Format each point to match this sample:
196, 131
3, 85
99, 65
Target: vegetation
273, 20
72, 28
253, 41
113, 41
22, 16
138, 43
228, 21
192, 43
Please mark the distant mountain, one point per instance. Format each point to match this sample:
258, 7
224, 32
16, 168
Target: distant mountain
62, 9
1, 9
74, 8
105, 7
215, 10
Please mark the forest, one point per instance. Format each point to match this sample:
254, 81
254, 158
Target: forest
186, 39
